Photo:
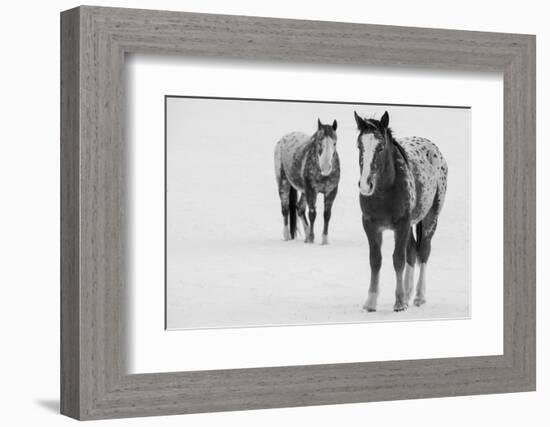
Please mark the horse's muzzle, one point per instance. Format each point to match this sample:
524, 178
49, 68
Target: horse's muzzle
326, 172
368, 188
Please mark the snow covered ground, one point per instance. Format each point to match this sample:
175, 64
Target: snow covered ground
226, 263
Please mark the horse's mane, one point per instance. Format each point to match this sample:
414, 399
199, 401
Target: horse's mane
397, 145
325, 130
315, 136
387, 134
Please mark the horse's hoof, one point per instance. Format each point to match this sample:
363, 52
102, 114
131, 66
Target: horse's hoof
286, 234
325, 240
418, 301
369, 308
400, 306
370, 303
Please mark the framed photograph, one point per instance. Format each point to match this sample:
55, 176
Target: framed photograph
347, 211
228, 264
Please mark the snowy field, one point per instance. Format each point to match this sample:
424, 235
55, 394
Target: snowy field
227, 265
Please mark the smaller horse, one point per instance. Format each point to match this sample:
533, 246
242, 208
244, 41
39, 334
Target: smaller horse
403, 183
307, 165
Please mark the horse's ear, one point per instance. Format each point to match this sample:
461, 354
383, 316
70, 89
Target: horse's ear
385, 120
319, 124
360, 122
334, 125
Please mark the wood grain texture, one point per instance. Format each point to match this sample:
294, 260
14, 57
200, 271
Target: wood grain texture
70, 292
94, 272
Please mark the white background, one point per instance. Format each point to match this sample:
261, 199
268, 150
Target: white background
30, 212
306, 284
155, 350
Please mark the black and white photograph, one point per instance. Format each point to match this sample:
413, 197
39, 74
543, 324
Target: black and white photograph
288, 213
298, 212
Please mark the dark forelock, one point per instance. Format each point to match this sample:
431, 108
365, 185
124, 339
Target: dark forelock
328, 131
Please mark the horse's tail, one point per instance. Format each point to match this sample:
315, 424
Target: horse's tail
292, 210
418, 233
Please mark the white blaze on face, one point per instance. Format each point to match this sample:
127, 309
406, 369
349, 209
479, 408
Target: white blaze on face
369, 143
325, 159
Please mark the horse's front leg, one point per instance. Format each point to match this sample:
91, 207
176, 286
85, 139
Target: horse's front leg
302, 206
329, 200
402, 232
311, 199
375, 258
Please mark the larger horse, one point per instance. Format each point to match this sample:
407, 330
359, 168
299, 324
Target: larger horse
402, 184
307, 164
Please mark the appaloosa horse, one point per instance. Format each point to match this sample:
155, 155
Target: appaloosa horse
403, 183
308, 165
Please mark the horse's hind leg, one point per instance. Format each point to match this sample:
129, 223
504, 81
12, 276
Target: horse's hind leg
329, 200
284, 195
425, 230
402, 232
409, 267
424, 233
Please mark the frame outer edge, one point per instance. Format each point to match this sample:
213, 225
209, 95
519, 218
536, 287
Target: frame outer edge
532, 75
89, 367
530, 164
520, 216
70, 396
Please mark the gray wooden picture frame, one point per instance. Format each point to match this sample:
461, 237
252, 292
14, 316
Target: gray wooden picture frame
94, 381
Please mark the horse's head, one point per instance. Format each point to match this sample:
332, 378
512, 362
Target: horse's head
325, 145
374, 152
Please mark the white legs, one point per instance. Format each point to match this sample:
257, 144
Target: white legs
421, 286
304, 226
286, 233
401, 303
370, 304
409, 282
407, 285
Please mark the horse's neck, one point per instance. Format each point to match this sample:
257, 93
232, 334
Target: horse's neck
389, 172
309, 148
395, 167
312, 140
306, 156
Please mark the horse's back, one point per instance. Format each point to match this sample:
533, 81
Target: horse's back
429, 172
289, 156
